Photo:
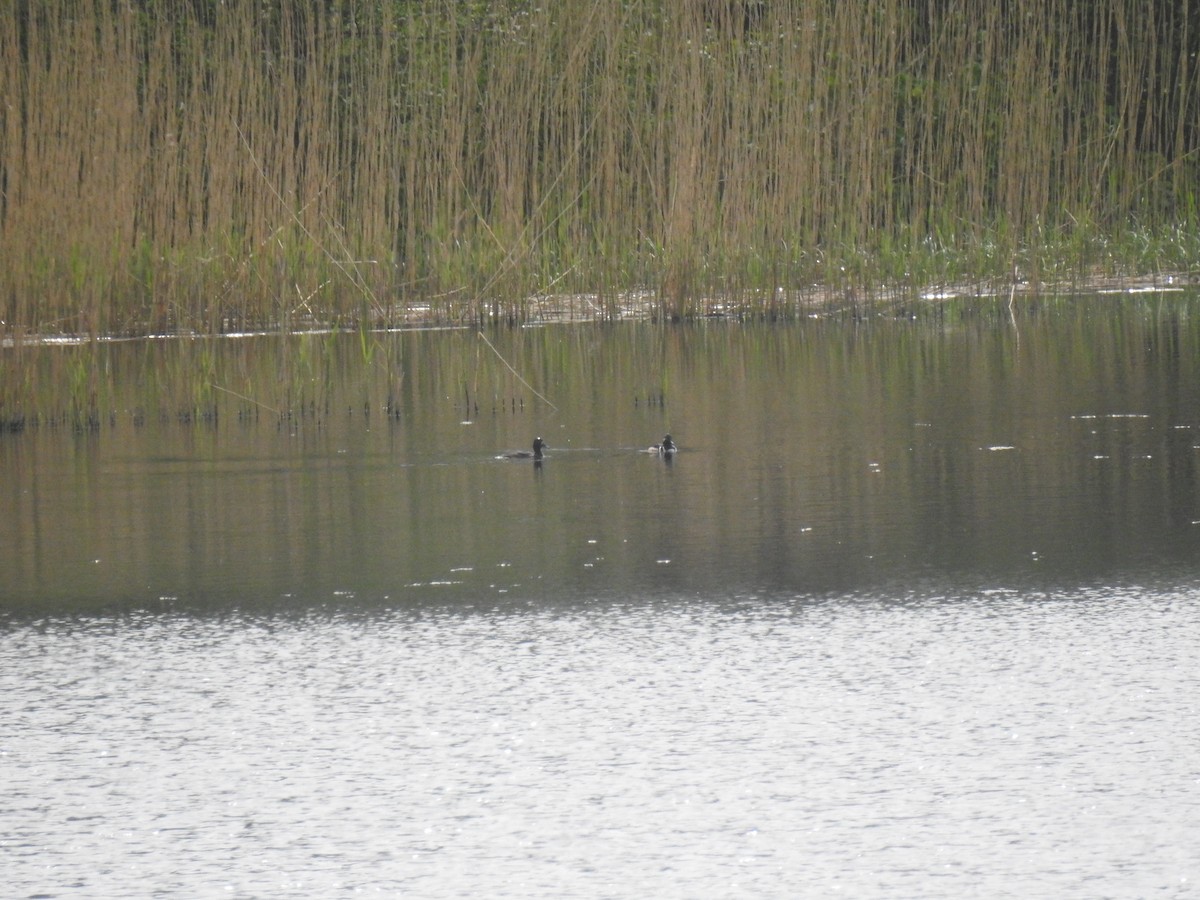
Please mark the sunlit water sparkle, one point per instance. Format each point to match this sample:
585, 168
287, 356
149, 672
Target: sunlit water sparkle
994, 745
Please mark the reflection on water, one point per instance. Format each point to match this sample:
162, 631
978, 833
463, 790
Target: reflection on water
821, 458
911, 613
1002, 745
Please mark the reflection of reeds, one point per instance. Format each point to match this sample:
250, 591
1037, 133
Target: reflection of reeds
189, 381
280, 165
314, 381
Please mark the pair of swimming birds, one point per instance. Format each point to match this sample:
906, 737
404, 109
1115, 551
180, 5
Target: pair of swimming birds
666, 448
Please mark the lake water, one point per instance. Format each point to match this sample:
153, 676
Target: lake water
913, 612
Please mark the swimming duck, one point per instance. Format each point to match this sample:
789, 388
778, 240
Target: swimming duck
666, 448
536, 453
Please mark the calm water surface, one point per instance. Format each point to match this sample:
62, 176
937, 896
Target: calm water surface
913, 613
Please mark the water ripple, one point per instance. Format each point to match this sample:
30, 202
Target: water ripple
994, 745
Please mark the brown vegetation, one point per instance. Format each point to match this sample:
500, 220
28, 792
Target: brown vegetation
176, 166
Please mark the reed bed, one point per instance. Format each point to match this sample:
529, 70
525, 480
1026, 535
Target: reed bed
170, 166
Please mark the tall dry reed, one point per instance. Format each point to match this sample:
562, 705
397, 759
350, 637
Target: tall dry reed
178, 166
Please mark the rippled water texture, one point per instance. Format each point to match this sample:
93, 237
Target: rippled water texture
999, 746
913, 612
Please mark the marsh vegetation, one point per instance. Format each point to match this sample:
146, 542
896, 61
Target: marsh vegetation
174, 167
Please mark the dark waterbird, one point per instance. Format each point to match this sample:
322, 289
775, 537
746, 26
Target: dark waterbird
666, 448
536, 453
